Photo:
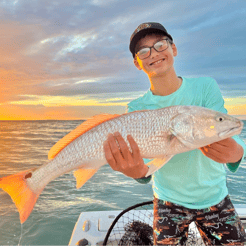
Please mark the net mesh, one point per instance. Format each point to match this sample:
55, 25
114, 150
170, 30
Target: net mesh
133, 226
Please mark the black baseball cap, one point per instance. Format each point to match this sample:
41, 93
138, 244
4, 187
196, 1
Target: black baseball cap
143, 29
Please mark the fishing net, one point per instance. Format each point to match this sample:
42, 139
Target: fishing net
133, 226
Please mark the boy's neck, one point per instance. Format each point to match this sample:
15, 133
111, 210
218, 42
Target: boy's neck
165, 84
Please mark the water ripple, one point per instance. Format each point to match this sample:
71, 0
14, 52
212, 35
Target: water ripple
25, 145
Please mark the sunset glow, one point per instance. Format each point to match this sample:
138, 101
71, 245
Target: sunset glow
70, 108
68, 61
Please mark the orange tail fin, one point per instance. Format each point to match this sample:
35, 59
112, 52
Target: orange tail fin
23, 197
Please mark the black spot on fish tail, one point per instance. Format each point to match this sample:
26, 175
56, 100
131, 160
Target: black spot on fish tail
29, 175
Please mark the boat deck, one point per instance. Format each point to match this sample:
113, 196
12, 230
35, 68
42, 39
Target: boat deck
93, 226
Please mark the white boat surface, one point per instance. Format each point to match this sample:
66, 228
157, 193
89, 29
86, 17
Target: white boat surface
92, 227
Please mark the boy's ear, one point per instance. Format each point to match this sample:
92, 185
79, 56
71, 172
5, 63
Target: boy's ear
135, 61
174, 48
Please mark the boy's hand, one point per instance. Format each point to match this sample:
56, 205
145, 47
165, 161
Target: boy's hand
121, 159
224, 151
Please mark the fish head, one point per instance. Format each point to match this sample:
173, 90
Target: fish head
212, 126
196, 127
227, 126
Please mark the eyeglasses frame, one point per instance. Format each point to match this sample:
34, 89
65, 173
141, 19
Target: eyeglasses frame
169, 41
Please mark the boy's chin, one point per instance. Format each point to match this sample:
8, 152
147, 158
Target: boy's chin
157, 73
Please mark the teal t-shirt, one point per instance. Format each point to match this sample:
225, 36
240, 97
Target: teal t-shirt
190, 179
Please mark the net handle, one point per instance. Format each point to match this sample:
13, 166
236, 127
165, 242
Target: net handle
119, 215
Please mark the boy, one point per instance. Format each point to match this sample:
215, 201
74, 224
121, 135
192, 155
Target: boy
192, 185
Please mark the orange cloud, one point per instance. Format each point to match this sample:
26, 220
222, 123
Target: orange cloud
16, 112
236, 109
82, 107
19, 71
236, 106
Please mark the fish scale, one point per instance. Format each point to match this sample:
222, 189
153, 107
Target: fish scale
160, 134
79, 149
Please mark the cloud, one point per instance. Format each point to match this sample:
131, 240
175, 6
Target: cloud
102, 99
236, 106
60, 49
39, 112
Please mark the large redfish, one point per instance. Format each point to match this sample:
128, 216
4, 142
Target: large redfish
160, 134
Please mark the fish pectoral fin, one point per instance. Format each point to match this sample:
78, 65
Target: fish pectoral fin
182, 140
173, 133
188, 144
157, 163
83, 175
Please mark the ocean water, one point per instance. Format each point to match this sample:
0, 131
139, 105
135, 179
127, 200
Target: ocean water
25, 145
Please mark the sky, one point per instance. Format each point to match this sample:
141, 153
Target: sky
70, 60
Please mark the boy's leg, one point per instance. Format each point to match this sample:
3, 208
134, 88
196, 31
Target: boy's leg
220, 224
171, 223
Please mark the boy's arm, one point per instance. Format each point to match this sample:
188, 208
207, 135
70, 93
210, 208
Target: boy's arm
224, 151
230, 151
234, 166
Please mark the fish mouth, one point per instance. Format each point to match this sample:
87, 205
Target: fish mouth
232, 131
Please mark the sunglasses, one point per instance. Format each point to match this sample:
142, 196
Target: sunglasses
158, 46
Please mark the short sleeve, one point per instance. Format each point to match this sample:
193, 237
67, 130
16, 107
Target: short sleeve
212, 96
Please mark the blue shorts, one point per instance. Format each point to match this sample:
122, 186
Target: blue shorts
218, 225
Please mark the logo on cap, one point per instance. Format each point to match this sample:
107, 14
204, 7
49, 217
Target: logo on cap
143, 26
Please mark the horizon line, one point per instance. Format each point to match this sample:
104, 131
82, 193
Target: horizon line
243, 117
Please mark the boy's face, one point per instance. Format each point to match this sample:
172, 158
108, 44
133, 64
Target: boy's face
158, 63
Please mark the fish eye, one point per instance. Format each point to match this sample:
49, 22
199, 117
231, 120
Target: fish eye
220, 119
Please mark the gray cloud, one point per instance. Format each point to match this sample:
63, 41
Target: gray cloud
61, 43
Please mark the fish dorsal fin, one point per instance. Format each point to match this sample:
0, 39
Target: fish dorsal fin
81, 129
